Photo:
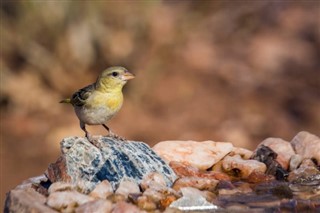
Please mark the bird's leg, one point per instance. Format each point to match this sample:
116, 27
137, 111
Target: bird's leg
111, 134
83, 127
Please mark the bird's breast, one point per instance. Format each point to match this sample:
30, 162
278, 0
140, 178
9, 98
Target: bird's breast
100, 108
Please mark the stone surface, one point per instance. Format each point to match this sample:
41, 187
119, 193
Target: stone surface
201, 155
102, 190
96, 206
243, 168
26, 200
307, 145
86, 165
283, 149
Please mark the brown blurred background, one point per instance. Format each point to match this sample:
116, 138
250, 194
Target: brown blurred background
209, 70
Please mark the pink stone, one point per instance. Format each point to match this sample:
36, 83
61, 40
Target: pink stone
201, 155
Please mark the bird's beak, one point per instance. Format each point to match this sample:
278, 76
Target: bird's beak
127, 76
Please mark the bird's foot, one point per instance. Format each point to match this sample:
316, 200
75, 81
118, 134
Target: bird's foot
113, 135
92, 140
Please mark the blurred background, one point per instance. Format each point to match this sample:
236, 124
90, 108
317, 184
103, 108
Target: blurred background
209, 70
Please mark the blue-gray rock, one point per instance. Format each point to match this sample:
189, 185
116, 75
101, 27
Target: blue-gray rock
109, 158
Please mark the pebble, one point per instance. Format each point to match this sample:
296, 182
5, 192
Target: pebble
123, 207
245, 167
127, 187
295, 161
305, 170
307, 145
102, 190
60, 186
67, 201
96, 206
283, 149
153, 179
244, 153
201, 155
195, 182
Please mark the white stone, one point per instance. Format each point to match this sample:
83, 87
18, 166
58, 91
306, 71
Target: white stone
307, 145
246, 167
201, 155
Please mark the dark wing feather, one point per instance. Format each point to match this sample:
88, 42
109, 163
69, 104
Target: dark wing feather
79, 97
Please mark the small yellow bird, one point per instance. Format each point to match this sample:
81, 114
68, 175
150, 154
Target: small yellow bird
97, 103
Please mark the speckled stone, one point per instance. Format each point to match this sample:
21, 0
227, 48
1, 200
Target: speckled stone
110, 159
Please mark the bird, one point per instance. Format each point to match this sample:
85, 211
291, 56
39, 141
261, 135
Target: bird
98, 102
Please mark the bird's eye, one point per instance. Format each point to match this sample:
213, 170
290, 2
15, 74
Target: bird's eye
115, 74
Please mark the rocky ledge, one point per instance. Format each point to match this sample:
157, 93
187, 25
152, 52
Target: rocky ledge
112, 175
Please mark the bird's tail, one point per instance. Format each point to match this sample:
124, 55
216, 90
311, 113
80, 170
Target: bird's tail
66, 101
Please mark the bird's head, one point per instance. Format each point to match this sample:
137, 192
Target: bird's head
114, 78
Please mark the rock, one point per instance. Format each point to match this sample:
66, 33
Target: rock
127, 187
96, 206
283, 149
60, 186
244, 153
306, 169
162, 196
307, 145
152, 180
295, 161
267, 156
193, 200
242, 168
29, 183
112, 159
123, 207
67, 201
201, 155
26, 200
196, 182
102, 190
146, 203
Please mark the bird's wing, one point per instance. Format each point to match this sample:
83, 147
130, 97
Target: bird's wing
79, 98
